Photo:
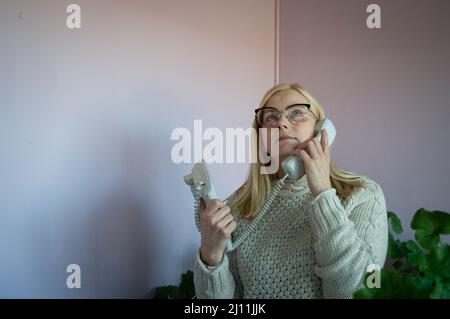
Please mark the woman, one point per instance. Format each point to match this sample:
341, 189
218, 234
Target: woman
321, 233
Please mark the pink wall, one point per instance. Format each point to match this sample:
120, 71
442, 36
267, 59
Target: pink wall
86, 118
387, 90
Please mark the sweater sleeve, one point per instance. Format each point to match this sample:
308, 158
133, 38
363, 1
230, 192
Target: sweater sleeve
222, 282
346, 242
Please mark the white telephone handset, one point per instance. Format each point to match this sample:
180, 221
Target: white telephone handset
293, 165
202, 186
200, 176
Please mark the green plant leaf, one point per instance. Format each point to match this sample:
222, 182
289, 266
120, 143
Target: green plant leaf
395, 222
397, 264
393, 285
415, 255
395, 248
413, 247
429, 226
441, 290
442, 220
426, 239
424, 281
167, 292
438, 262
187, 288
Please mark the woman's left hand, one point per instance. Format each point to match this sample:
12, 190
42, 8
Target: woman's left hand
316, 160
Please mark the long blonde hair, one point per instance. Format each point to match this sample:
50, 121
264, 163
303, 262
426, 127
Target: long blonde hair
252, 194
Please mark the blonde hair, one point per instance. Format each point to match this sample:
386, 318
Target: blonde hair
252, 194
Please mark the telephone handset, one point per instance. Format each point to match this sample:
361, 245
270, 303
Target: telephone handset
202, 186
293, 164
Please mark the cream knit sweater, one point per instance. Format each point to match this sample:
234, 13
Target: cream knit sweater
305, 247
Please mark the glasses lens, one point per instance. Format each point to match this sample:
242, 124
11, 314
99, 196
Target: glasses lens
298, 113
268, 117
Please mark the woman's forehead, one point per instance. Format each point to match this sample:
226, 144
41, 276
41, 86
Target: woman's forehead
285, 98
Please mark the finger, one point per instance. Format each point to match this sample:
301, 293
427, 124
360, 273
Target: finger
318, 146
221, 213
231, 226
312, 149
225, 220
325, 143
215, 204
301, 146
305, 157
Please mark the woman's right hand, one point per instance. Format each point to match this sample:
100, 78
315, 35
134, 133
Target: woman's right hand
216, 226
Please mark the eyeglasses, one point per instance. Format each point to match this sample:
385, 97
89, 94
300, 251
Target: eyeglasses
270, 116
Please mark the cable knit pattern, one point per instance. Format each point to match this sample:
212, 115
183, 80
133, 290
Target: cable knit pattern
305, 247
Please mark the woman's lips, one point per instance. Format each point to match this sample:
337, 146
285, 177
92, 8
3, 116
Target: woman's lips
283, 138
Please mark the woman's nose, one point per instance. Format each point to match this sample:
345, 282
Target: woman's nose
283, 122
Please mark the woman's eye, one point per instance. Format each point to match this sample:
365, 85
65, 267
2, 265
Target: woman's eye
270, 119
297, 115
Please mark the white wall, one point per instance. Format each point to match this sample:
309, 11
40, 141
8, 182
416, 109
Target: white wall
85, 123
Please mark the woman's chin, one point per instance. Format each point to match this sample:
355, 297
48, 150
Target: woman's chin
286, 151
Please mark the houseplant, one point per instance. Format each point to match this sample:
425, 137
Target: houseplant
185, 290
421, 267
